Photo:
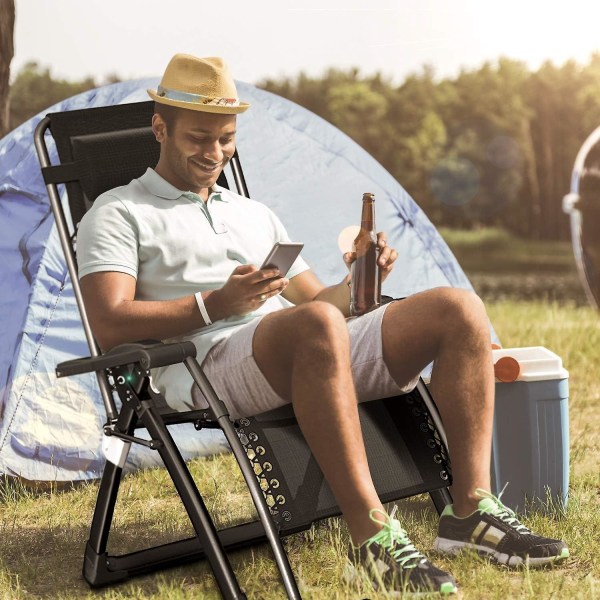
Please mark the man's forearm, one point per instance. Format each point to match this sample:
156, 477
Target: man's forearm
134, 320
338, 295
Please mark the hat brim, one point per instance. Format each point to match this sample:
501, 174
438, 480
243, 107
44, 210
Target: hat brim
211, 108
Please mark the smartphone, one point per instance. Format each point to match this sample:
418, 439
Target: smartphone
282, 256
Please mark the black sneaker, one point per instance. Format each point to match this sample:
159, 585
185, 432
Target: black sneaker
493, 530
393, 564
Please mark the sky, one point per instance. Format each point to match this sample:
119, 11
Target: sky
277, 38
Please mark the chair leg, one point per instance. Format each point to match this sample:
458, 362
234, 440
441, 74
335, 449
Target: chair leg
97, 568
194, 505
96, 565
441, 498
222, 416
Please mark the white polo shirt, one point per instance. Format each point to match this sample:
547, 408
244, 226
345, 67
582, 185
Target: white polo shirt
175, 245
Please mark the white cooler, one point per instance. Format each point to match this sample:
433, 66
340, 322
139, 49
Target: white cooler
530, 447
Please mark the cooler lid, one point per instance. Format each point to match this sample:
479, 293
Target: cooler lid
537, 363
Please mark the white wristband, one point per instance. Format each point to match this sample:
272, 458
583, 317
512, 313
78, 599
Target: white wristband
200, 303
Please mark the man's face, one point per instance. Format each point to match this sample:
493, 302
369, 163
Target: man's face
195, 149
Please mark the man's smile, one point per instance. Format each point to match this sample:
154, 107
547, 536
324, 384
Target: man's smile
208, 168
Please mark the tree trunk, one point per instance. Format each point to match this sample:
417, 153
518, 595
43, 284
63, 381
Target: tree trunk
7, 26
532, 184
546, 166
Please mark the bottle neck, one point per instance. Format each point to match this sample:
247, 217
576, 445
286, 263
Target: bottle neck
367, 219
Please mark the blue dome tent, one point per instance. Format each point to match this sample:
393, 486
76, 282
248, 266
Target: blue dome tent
306, 170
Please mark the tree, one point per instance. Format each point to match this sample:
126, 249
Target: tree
588, 97
357, 110
34, 89
487, 120
493, 146
555, 94
7, 26
418, 135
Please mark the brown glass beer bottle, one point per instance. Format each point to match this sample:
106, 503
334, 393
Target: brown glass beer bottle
365, 274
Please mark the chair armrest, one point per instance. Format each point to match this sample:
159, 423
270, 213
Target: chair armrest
150, 354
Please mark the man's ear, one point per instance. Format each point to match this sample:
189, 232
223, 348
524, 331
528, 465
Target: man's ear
159, 128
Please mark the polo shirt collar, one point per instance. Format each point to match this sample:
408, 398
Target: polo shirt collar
158, 186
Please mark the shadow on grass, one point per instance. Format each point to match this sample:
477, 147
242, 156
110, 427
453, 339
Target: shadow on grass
48, 563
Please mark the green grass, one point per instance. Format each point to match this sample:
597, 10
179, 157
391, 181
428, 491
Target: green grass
495, 251
43, 534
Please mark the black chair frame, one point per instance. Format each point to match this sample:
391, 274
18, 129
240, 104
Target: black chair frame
125, 372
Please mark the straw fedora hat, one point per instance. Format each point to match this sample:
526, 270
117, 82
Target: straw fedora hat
203, 84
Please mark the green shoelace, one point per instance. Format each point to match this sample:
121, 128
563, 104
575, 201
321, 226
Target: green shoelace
493, 505
394, 539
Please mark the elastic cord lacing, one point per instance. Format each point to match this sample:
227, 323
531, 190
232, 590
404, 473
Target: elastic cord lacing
395, 539
495, 507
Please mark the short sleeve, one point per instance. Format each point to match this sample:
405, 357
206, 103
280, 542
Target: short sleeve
107, 239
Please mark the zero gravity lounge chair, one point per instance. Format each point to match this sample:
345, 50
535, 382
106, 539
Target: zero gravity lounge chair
101, 148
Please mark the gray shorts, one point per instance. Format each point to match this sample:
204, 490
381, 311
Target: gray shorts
243, 388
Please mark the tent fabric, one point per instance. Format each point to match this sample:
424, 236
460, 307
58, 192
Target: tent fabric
310, 173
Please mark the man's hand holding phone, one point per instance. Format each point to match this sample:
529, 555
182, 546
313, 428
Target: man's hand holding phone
249, 287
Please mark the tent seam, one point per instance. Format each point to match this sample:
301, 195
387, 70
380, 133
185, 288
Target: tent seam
32, 366
424, 242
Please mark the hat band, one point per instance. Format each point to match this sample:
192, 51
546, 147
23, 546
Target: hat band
195, 98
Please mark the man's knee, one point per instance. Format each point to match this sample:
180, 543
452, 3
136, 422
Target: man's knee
320, 321
317, 339
312, 336
303, 329
459, 308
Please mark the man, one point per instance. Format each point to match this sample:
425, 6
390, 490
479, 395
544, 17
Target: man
173, 256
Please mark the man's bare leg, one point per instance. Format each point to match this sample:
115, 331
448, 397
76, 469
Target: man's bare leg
304, 353
450, 326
